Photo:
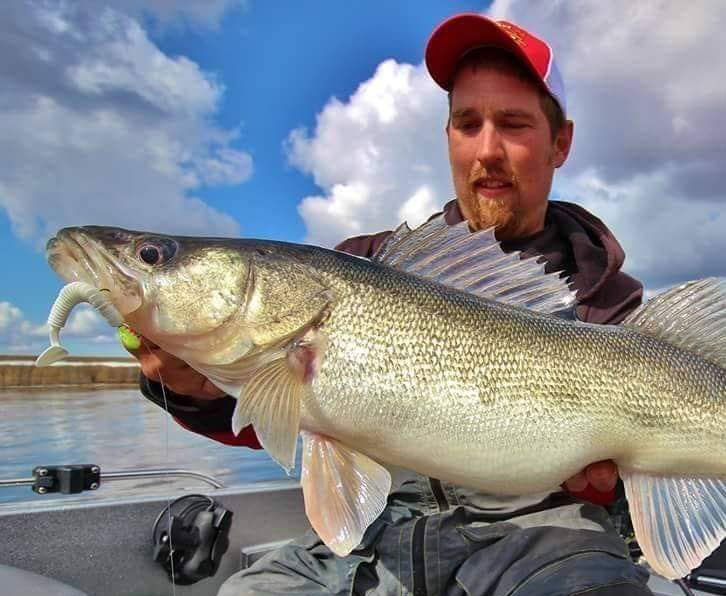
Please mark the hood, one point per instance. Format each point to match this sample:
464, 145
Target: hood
596, 252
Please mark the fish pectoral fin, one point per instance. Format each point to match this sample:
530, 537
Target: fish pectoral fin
270, 401
344, 490
678, 521
270, 386
233, 377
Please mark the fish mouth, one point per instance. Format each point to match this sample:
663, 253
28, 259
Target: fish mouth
75, 255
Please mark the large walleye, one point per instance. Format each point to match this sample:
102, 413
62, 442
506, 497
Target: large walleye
439, 355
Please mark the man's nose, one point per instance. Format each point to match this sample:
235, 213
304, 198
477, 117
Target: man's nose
490, 148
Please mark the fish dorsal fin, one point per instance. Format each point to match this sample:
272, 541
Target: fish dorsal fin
678, 521
344, 491
391, 240
474, 262
691, 316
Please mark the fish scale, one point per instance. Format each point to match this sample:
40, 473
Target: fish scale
497, 367
375, 364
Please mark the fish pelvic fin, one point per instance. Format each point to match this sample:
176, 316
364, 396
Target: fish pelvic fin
678, 521
344, 491
474, 262
691, 316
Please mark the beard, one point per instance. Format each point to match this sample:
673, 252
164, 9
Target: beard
484, 213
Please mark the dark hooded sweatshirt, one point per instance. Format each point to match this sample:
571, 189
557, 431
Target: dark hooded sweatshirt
573, 240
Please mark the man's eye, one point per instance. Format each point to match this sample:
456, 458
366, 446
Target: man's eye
468, 125
515, 125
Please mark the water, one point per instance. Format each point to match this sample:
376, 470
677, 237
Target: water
115, 429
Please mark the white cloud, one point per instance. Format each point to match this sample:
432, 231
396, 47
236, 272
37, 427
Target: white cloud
201, 12
14, 329
418, 207
18, 334
668, 237
97, 125
381, 150
649, 108
649, 116
85, 322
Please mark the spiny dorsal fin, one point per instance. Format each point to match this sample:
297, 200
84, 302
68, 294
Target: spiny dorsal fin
691, 317
391, 240
475, 263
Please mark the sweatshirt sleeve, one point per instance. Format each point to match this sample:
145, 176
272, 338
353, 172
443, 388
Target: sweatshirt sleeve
363, 246
617, 298
209, 418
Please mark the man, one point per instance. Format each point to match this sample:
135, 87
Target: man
507, 133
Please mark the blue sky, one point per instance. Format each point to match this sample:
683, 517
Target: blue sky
280, 64
316, 121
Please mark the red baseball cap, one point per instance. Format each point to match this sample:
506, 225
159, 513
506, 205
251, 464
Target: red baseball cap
462, 33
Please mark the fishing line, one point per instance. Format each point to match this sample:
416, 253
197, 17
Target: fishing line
166, 457
684, 586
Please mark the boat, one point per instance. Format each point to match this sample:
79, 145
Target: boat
88, 544
103, 546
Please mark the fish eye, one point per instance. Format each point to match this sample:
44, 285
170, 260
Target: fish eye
156, 252
149, 254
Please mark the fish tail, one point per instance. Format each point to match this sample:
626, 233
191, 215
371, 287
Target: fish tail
680, 520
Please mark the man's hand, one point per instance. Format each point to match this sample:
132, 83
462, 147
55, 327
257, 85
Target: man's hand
600, 477
177, 375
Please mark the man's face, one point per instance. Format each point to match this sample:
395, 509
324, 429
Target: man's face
501, 151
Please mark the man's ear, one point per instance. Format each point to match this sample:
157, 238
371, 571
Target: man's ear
563, 143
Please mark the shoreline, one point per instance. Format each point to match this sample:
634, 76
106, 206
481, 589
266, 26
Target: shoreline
68, 387
20, 372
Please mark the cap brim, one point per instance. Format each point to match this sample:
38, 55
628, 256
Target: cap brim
460, 34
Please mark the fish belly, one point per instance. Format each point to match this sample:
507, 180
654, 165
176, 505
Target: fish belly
513, 407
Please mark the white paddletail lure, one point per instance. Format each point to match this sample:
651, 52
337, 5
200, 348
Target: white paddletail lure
71, 295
